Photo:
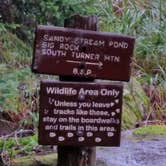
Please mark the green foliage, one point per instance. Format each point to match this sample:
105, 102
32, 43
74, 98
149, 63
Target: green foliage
3, 68
13, 85
136, 104
150, 50
150, 130
36, 160
17, 84
128, 118
13, 51
48, 11
120, 17
32, 121
16, 146
146, 21
6, 26
27, 14
2, 27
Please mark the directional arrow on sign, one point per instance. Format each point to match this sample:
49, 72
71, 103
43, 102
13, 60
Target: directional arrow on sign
100, 64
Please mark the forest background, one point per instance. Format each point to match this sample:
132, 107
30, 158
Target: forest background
145, 94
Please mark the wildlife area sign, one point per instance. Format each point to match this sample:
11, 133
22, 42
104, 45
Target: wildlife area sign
82, 53
80, 114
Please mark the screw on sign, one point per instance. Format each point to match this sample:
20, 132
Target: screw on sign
82, 53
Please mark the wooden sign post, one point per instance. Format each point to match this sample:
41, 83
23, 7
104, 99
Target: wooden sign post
77, 113
78, 155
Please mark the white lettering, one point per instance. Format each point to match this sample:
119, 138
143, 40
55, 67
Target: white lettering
69, 47
106, 92
88, 92
47, 45
63, 112
100, 105
49, 119
84, 105
116, 44
85, 56
67, 127
74, 40
99, 121
115, 59
61, 91
50, 52
85, 72
58, 103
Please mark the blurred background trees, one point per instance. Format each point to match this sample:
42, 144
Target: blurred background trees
23, 15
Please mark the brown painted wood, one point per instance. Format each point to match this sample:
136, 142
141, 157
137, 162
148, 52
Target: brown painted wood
82, 52
80, 114
74, 155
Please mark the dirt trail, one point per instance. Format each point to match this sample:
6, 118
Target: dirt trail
134, 152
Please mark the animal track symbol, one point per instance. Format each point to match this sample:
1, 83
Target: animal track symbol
51, 101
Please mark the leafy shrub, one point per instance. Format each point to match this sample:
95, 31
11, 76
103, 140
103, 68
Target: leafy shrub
146, 21
16, 146
13, 51
150, 130
27, 14
14, 86
135, 105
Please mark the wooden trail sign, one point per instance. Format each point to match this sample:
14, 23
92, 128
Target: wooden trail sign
80, 114
82, 53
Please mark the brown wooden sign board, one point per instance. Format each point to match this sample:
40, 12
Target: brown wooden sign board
82, 53
83, 114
